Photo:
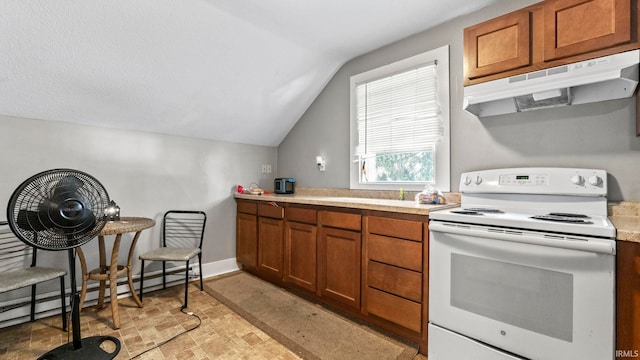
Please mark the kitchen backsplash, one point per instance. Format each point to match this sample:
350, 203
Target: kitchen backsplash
371, 194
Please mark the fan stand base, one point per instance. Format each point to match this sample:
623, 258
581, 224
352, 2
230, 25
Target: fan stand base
90, 349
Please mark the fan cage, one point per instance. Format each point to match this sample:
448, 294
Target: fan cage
49, 233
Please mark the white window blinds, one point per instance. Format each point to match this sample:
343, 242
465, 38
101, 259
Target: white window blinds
399, 113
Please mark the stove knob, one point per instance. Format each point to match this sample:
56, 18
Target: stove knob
577, 180
478, 180
467, 180
595, 180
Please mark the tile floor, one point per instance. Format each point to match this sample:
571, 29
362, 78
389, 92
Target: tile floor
222, 334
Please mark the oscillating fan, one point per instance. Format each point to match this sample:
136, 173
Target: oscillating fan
62, 209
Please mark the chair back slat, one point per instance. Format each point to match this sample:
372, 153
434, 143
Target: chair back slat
14, 253
182, 228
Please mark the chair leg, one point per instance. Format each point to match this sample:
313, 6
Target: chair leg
64, 304
164, 275
186, 286
33, 302
141, 280
200, 266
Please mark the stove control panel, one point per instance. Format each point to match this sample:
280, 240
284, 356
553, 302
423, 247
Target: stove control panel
526, 180
557, 181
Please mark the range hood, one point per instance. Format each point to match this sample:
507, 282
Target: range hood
605, 78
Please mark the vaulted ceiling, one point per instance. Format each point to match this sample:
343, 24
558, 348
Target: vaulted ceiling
231, 70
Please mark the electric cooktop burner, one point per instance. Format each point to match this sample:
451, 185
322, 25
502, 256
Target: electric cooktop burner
477, 211
564, 217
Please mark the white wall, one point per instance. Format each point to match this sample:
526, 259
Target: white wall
598, 135
145, 173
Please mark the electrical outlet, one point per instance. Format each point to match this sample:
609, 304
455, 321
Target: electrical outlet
266, 168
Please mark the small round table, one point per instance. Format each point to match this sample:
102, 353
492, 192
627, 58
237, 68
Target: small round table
111, 271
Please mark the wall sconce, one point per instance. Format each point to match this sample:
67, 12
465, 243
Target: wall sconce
112, 212
320, 163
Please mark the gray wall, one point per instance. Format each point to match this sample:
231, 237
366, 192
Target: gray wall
145, 173
594, 135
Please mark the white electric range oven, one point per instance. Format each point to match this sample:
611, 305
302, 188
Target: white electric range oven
525, 269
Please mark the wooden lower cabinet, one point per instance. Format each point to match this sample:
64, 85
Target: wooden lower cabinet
339, 250
247, 239
270, 241
301, 255
270, 261
369, 264
339, 268
627, 300
247, 234
395, 273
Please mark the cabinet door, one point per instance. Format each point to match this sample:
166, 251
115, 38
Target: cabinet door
574, 27
300, 255
247, 239
628, 299
270, 239
339, 268
497, 45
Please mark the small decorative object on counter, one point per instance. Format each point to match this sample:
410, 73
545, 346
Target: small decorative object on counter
254, 190
401, 197
429, 195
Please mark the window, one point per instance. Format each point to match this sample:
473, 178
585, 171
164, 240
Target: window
400, 124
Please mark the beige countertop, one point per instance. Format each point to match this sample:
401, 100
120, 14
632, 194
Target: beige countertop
399, 206
627, 227
625, 216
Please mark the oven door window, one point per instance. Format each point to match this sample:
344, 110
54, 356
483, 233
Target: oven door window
530, 298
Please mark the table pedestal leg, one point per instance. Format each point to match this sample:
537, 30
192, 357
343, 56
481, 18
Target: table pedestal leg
103, 263
134, 295
113, 282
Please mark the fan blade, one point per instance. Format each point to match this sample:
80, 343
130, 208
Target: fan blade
30, 221
66, 187
70, 214
67, 208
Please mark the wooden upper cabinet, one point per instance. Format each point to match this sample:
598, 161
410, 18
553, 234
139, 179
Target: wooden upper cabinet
548, 34
498, 45
573, 27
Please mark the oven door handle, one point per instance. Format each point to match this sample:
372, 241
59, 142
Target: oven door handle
528, 237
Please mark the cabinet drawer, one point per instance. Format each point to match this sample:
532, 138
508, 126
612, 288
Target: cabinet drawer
395, 280
247, 207
403, 229
403, 253
270, 211
395, 309
308, 216
341, 220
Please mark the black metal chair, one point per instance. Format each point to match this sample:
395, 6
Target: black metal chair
182, 236
15, 276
